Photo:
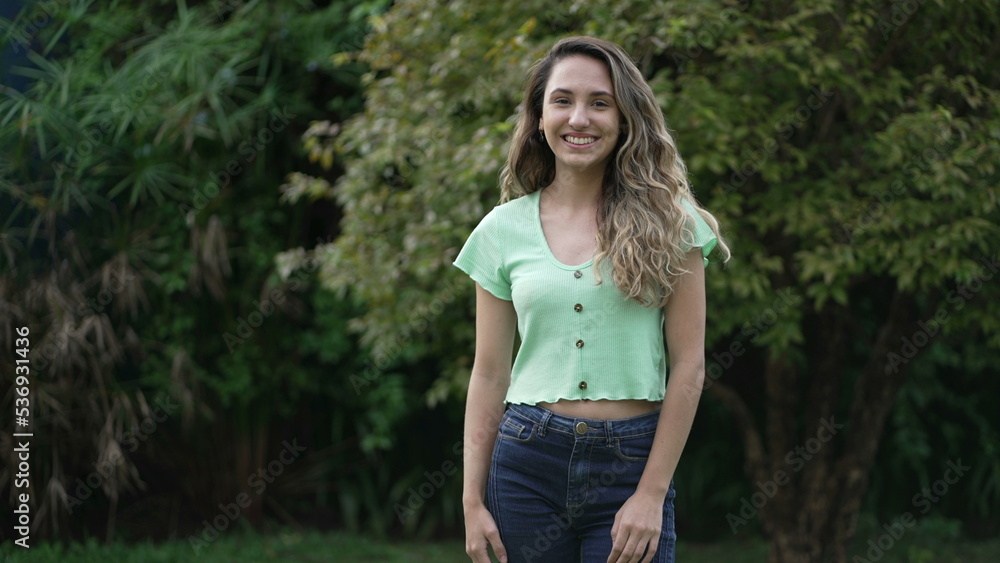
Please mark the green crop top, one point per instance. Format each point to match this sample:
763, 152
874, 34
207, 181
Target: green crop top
579, 340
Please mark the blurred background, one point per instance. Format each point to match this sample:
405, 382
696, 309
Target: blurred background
227, 227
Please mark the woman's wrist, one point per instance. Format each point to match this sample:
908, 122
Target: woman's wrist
658, 490
473, 502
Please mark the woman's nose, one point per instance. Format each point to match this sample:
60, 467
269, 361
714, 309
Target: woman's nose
578, 117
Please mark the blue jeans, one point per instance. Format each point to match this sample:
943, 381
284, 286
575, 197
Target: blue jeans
556, 483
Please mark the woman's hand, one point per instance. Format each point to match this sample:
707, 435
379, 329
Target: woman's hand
638, 524
480, 529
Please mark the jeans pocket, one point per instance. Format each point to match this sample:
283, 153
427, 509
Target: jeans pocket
516, 429
634, 448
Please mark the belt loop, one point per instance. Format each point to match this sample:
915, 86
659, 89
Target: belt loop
544, 423
608, 432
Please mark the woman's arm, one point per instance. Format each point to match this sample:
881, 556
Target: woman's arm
496, 323
684, 330
640, 519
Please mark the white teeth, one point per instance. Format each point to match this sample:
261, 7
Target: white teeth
580, 140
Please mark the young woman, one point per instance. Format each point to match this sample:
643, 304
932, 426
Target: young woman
596, 258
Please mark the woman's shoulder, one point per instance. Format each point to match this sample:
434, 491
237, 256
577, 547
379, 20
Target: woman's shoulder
513, 213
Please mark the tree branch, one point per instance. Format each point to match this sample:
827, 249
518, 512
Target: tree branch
874, 394
754, 448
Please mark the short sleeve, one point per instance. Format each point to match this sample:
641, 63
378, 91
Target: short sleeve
482, 259
704, 238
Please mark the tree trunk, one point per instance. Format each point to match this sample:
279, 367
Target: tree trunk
811, 491
790, 547
874, 394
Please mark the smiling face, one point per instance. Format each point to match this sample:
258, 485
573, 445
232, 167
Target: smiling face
580, 117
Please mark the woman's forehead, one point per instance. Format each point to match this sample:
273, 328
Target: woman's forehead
580, 75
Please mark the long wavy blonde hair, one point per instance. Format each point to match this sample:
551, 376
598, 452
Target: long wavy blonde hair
642, 225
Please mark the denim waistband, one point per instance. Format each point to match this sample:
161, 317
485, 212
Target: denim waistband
611, 428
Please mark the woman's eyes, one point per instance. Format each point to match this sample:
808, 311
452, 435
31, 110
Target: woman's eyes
565, 101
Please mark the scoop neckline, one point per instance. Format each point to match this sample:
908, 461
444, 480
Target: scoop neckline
545, 243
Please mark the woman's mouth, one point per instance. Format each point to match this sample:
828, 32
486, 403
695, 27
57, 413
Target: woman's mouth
579, 141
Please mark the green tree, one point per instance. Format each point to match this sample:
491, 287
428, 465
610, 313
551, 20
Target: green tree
139, 171
848, 149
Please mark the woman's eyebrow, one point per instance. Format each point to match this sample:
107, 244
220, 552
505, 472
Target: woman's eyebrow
592, 94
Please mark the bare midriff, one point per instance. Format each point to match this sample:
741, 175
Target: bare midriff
602, 409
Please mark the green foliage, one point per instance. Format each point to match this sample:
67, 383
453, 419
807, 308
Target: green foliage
938, 419
928, 539
147, 143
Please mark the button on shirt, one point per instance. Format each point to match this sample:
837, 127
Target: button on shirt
579, 340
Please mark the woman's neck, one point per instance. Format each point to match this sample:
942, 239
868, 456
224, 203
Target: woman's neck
576, 192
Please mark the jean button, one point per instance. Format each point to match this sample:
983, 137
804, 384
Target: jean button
581, 427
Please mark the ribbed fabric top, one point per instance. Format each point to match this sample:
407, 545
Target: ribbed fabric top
579, 340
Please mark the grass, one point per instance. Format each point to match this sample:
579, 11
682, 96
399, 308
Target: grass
315, 546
